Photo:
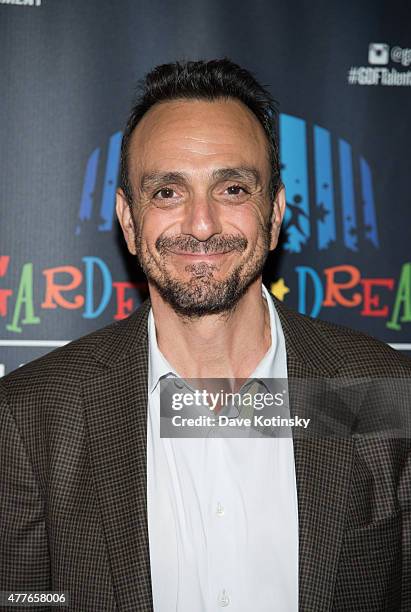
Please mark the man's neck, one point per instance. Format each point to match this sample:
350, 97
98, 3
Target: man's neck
227, 345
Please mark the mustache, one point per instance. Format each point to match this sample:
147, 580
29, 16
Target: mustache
189, 244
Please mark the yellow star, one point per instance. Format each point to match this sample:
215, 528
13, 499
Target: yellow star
279, 289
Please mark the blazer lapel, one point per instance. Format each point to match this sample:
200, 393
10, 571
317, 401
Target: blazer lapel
115, 410
323, 466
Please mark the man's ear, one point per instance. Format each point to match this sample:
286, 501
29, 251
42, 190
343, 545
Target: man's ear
125, 219
277, 216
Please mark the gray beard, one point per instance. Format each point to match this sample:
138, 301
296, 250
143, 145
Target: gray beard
203, 295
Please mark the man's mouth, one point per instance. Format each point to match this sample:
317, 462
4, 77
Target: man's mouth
189, 248
200, 255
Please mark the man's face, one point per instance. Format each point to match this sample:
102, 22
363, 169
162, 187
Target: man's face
202, 222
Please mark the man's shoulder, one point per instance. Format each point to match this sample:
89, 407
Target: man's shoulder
359, 353
363, 351
83, 357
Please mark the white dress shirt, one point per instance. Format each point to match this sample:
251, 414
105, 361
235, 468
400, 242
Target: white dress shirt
222, 512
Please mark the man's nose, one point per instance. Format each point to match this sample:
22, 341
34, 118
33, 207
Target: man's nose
201, 218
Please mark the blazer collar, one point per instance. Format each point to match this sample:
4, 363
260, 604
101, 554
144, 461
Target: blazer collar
115, 411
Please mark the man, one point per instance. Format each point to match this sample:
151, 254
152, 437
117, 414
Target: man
96, 503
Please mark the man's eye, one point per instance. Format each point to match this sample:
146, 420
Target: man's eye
164, 194
236, 190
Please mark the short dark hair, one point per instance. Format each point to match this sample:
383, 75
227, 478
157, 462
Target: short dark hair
203, 80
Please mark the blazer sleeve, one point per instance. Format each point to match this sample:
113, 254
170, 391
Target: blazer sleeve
24, 554
405, 502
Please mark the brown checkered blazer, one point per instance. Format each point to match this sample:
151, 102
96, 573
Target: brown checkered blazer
73, 476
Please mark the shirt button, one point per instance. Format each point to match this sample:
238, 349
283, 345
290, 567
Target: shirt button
220, 510
224, 599
179, 383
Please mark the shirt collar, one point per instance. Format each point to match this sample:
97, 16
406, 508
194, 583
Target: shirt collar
265, 368
159, 367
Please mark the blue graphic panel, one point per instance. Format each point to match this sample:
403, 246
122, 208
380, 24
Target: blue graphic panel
293, 144
324, 188
347, 197
89, 184
110, 183
370, 219
294, 165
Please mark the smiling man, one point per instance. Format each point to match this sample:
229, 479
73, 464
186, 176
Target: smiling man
202, 206
97, 503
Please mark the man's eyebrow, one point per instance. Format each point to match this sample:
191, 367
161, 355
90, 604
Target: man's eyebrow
152, 179
242, 173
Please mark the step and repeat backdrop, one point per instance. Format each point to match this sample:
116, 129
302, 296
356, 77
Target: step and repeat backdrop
341, 72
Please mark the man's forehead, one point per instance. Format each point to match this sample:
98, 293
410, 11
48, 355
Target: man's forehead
214, 135
220, 119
